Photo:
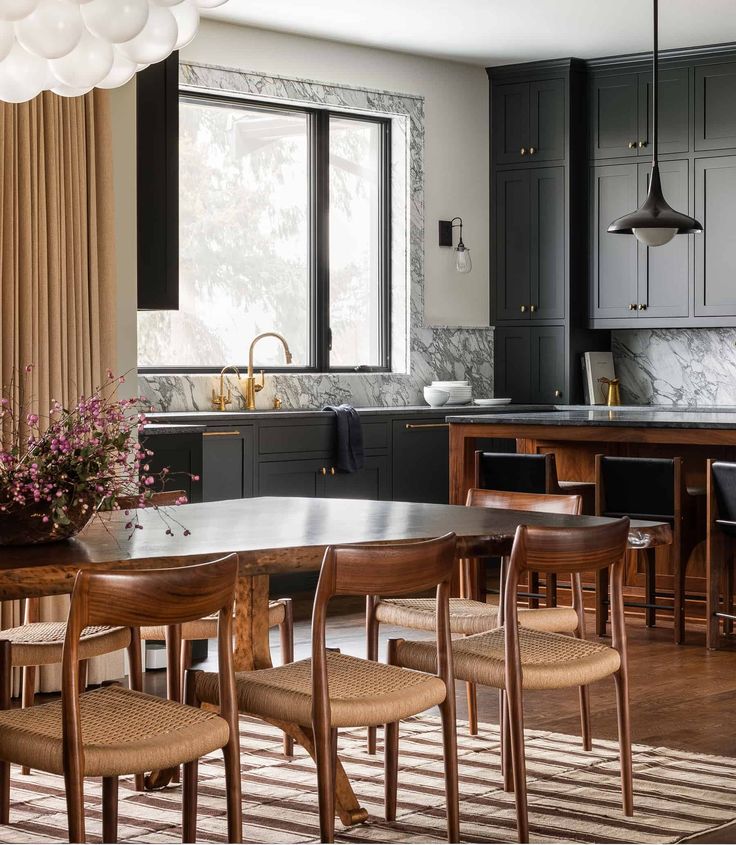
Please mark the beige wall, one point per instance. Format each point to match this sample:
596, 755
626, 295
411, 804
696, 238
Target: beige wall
455, 166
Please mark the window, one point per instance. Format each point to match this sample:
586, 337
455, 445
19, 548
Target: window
283, 226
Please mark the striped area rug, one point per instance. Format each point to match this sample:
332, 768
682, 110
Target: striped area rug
573, 795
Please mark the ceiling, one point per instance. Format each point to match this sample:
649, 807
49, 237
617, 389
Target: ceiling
493, 31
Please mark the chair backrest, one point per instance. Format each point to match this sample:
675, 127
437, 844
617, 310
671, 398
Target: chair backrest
146, 597
507, 500
641, 488
515, 472
391, 569
722, 495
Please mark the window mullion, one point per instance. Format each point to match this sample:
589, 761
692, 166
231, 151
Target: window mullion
321, 237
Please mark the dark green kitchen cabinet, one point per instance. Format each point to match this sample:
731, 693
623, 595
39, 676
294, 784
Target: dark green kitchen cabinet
531, 364
529, 121
715, 248
715, 107
181, 455
319, 479
227, 463
530, 270
373, 481
674, 112
512, 363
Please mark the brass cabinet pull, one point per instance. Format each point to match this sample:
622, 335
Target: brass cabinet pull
642, 144
221, 434
532, 150
323, 471
522, 308
632, 306
523, 151
558, 394
642, 306
632, 145
416, 426
532, 308
332, 470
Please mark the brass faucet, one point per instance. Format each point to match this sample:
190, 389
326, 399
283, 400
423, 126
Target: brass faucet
251, 388
221, 400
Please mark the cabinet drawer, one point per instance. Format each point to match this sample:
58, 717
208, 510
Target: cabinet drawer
297, 438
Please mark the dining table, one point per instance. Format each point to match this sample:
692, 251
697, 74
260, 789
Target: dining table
272, 536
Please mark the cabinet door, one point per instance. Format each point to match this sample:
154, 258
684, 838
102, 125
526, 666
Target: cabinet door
510, 122
548, 364
371, 482
181, 455
664, 271
512, 283
614, 258
547, 119
421, 461
292, 478
227, 464
512, 363
613, 116
715, 248
715, 107
547, 243
674, 111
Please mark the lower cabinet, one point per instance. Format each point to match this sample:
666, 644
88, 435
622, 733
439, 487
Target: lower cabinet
317, 478
181, 454
227, 463
421, 461
530, 364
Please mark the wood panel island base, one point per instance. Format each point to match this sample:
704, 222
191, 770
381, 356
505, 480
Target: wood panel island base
575, 437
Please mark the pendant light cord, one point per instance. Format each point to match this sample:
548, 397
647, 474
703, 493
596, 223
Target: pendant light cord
655, 83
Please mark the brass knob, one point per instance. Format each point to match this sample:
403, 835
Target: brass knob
532, 308
324, 471
632, 145
532, 150
642, 144
558, 394
642, 306
632, 306
332, 470
523, 151
522, 308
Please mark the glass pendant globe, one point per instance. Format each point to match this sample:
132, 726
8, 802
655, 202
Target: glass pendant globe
463, 263
187, 22
86, 65
116, 21
14, 10
6, 39
22, 75
156, 40
52, 30
122, 71
209, 4
654, 237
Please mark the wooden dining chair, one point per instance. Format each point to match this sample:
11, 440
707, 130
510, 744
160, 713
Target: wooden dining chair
470, 616
515, 659
113, 731
720, 549
332, 690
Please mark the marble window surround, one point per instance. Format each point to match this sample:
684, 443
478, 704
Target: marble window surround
419, 353
693, 367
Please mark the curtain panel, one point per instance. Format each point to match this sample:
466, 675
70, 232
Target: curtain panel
57, 266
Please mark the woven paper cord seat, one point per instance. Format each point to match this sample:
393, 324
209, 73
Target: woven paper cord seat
41, 643
123, 732
361, 692
471, 617
206, 629
548, 661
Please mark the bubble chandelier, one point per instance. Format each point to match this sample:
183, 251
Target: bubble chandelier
72, 46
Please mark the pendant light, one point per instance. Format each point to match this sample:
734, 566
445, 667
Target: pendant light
655, 223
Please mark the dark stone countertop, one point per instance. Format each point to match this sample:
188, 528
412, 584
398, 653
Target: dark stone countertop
635, 417
173, 428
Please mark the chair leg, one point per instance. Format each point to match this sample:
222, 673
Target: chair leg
371, 649
110, 809
472, 696
185, 660
323, 749
74, 788
601, 602
449, 743
728, 596
189, 802
551, 590
135, 682
391, 769
650, 575
231, 753
286, 634
28, 696
5, 680
506, 756
83, 673
679, 598
624, 739
585, 730
515, 714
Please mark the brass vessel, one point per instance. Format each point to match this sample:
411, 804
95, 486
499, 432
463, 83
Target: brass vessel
614, 394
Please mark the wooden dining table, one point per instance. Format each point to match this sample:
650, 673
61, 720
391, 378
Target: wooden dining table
272, 536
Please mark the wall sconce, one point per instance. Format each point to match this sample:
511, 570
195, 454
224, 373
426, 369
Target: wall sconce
463, 264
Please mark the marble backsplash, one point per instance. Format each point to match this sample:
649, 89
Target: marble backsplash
676, 366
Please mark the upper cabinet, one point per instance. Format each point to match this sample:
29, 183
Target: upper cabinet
621, 113
529, 121
715, 107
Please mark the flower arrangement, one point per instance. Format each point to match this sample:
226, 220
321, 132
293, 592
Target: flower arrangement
58, 472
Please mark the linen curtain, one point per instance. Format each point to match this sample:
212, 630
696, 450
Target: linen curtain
57, 267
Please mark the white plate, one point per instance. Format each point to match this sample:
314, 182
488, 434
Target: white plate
489, 402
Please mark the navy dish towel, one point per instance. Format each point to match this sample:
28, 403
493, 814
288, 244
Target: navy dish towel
350, 456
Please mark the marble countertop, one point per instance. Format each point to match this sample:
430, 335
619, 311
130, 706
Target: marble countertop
631, 416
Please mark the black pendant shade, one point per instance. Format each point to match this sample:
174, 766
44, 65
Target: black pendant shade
655, 222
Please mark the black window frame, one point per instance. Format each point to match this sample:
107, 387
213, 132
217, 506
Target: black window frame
318, 121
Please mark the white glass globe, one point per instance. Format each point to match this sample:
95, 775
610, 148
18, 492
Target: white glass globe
53, 29
209, 4
6, 38
169, 2
68, 91
156, 40
187, 21
463, 264
86, 65
654, 237
116, 20
22, 75
14, 10
122, 71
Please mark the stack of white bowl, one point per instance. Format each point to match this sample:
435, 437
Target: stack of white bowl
460, 391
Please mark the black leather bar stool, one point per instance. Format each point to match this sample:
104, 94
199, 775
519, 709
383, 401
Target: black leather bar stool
521, 473
720, 549
649, 488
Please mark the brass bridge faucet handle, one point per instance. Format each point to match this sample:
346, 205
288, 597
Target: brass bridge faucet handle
221, 400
